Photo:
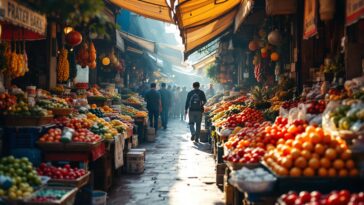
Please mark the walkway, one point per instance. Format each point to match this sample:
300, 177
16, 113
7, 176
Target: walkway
177, 172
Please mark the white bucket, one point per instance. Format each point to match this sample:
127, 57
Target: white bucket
99, 198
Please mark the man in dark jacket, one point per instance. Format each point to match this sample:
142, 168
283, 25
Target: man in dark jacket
153, 99
166, 97
196, 99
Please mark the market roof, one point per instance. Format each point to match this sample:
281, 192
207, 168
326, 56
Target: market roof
154, 9
147, 45
206, 61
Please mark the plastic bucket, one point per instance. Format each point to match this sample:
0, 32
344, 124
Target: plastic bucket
99, 198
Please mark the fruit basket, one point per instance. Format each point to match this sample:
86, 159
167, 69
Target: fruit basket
67, 198
10, 120
62, 111
80, 182
237, 166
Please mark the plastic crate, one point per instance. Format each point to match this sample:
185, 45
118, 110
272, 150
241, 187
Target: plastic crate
22, 137
34, 155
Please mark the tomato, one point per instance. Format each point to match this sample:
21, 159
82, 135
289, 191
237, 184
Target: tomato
305, 196
333, 199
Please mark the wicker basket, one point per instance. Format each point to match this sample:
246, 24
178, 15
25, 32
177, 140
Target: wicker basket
280, 7
62, 111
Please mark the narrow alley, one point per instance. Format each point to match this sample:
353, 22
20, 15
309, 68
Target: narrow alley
177, 171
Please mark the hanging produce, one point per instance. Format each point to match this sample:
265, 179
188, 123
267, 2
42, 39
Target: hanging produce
92, 56
275, 38
17, 61
63, 66
253, 45
258, 72
73, 38
274, 57
86, 56
264, 52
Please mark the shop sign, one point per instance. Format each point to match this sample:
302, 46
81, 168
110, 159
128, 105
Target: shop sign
17, 14
309, 24
354, 11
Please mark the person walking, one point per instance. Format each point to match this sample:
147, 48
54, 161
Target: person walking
153, 99
210, 92
181, 108
177, 103
166, 97
195, 101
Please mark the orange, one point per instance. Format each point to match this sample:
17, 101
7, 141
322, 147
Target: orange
346, 155
296, 144
338, 164
295, 172
270, 147
315, 155
350, 164
354, 172
287, 163
286, 150
274, 56
295, 153
330, 153
319, 149
300, 162
322, 172
315, 138
320, 132
282, 171
332, 172
308, 172
307, 146
306, 154
289, 142
326, 139
324, 162
343, 173
310, 129
314, 163
280, 141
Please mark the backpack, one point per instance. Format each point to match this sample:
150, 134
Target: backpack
195, 102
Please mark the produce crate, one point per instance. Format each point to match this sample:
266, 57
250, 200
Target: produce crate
22, 137
80, 182
81, 146
34, 155
27, 120
67, 199
62, 111
51, 146
99, 101
324, 184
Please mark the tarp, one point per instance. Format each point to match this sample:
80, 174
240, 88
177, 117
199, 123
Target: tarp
154, 9
198, 12
147, 45
196, 37
206, 61
244, 9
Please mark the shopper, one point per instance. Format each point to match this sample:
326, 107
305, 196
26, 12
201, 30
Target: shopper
195, 101
167, 98
210, 92
153, 99
181, 108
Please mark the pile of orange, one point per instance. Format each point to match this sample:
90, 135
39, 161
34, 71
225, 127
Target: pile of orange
312, 153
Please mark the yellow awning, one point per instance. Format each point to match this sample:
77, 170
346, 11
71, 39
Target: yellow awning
154, 9
198, 12
195, 37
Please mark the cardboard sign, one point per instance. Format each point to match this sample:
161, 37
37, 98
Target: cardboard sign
309, 24
17, 14
354, 11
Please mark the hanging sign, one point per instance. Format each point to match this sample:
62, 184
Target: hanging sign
19, 15
309, 24
354, 11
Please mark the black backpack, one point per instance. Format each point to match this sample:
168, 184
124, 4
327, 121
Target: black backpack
195, 102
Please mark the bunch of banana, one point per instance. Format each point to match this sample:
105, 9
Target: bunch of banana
63, 66
17, 62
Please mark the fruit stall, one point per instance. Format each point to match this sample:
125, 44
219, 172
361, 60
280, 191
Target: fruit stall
309, 149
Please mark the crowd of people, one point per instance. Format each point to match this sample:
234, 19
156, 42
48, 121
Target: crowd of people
177, 103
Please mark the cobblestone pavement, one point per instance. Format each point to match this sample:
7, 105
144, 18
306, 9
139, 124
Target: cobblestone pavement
177, 171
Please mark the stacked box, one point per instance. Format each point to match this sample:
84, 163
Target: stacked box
150, 134
135, 162
135, 141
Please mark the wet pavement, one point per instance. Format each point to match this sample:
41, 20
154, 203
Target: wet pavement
177, 171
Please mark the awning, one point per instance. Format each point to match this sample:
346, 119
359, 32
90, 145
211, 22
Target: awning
196, 37
13, 14
154, 9
206, 61
198, 12
147, 45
